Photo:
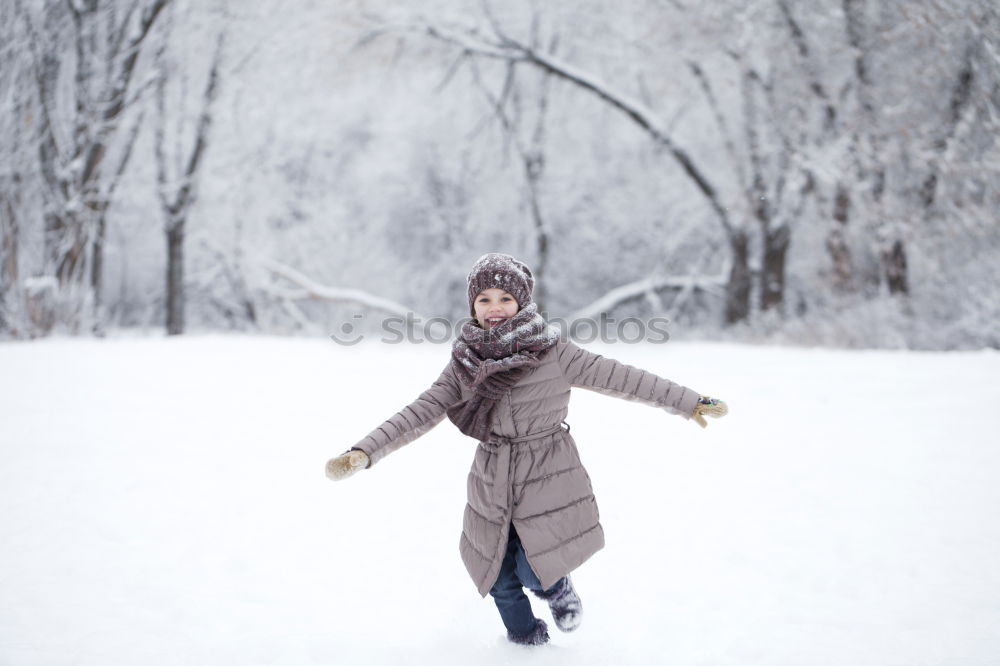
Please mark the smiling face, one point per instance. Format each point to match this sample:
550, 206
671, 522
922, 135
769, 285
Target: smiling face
493, 306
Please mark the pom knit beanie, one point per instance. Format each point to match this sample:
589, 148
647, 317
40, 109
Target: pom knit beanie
500, 271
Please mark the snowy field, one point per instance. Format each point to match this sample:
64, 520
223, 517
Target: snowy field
163, 502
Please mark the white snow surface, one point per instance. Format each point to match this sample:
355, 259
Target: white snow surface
164, 502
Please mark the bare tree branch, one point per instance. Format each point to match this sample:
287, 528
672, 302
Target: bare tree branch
633, 290
720, 120
314, 290
511, 50
802, 45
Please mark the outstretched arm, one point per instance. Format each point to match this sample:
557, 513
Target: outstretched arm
605, 375
402, 428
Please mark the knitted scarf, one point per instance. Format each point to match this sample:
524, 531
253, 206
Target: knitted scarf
491, 362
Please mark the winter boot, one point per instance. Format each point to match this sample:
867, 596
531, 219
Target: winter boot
567, 611
537, 636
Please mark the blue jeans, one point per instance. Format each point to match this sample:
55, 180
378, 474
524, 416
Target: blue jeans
508, 590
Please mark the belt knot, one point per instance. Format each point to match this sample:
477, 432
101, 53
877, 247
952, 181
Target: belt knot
501, 447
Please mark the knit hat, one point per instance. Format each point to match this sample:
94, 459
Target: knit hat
500, 271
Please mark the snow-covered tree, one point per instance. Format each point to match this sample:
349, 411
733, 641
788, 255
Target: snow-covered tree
84, 59
177, 170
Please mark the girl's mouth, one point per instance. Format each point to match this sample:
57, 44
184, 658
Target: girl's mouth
493, 321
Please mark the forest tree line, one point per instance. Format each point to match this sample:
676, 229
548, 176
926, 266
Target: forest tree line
773, 170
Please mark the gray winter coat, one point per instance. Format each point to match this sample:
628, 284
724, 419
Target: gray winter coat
529, 472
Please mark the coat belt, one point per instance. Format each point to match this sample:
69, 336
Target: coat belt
501, 447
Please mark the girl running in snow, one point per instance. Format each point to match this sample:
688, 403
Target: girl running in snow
531, 517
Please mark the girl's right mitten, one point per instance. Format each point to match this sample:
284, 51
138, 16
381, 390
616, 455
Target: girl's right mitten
344, 465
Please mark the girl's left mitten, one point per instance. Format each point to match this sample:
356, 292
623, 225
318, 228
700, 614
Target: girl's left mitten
708, 407
346, 464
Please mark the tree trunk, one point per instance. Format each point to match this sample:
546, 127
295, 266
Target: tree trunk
542, 245
892, 249
175, 280
97, 275
772, 283
836, 240
738, 287
894, 265
961, 96
8, 267
176, 211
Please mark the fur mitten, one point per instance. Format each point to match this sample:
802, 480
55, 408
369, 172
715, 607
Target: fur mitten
708, 407
344, 465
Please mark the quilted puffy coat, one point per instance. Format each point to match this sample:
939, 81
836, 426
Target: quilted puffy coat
529, 471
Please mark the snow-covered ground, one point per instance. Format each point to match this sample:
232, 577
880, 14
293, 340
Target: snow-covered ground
163, 502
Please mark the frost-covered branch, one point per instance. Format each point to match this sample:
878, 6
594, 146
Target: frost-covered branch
314, 290
512, 50
808, 65
720, 121
640, 288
